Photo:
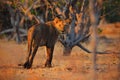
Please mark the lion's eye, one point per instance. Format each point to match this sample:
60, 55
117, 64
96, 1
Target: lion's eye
56, 21
59, 25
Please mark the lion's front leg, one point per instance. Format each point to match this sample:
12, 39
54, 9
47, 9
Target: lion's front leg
49, 55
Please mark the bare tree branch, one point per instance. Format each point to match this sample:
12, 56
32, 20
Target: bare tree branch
79, 45
7, 31
28, 13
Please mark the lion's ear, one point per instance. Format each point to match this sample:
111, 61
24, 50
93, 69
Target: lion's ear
56, 20
68, 21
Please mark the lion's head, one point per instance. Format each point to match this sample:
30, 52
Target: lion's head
60, 24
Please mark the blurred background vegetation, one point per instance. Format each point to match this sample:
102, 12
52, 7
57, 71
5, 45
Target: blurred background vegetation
110, 11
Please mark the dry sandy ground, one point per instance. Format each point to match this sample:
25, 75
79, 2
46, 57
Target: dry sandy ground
77, 66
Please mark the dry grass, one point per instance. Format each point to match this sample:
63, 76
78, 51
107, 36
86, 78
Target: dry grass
77, 66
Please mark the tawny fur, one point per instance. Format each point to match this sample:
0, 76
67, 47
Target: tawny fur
43, 34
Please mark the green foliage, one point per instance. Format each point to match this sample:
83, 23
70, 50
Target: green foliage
33, 11
78, 3
111, 10
99, 30
60, 3
22, 1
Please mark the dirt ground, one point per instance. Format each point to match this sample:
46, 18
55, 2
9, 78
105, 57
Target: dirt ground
77, 66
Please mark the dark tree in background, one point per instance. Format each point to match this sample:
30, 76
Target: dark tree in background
16, 16
111, 10
4, 17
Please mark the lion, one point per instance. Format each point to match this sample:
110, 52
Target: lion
43, 34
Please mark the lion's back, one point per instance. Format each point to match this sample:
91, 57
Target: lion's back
43, 34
